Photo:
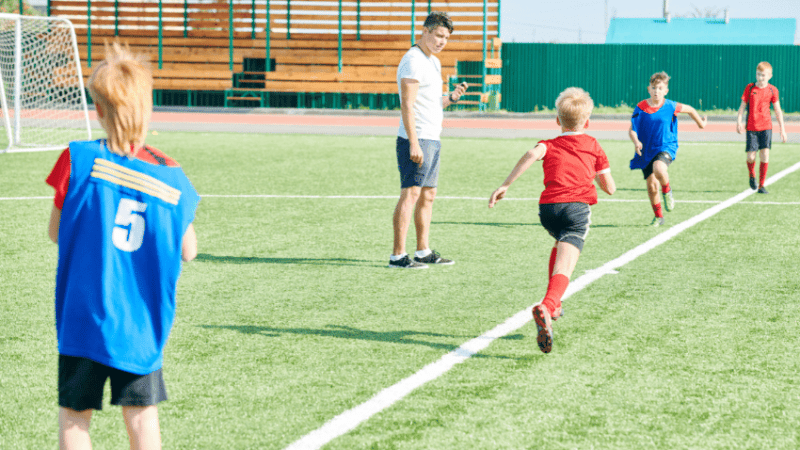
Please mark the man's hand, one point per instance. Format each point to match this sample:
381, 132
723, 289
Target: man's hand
497, 195
416, 152
459, 91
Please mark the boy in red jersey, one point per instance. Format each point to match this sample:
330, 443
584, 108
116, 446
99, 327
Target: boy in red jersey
122, 218
654, 133
756, 99
570, 162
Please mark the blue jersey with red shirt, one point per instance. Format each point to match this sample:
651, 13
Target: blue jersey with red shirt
657, 129
119, 254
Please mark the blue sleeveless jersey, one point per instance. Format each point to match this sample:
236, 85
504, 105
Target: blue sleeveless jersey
119, 257
658, 133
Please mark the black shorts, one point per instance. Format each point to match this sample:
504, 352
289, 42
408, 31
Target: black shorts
566, 222
81, 381
757, 140
411, 174
663, 157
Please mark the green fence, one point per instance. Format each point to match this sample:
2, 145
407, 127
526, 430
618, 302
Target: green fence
704, 76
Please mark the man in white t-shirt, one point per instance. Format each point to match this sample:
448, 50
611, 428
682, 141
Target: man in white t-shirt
419, 80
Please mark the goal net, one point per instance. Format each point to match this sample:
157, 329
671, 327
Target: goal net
41, 86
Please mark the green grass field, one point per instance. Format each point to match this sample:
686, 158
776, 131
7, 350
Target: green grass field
289, 317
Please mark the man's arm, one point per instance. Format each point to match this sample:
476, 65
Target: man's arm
454, 96
530, 157
779, 115
700, 121
739, 125
55, 222
409, 88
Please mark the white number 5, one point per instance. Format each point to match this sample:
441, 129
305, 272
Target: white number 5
129, 240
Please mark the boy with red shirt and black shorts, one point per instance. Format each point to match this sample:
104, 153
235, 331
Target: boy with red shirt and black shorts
571, 162
756, 99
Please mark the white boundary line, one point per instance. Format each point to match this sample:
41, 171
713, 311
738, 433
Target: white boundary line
350, 419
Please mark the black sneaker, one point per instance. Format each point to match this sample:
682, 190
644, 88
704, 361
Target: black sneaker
753, 183
406, 263
544, 327
763, 190
435, 258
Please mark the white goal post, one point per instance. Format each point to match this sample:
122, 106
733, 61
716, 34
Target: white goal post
41, 85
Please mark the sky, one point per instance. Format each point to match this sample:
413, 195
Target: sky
584, 21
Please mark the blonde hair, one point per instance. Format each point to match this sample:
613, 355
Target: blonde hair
764, 66
122, 88
574, 106
660, 77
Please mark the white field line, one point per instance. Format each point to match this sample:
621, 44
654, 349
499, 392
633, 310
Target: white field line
350, 419
368, 197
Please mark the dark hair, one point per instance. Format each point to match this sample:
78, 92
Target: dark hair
438, 19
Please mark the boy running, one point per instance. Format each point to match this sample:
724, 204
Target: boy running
756, 99
654, 132
122, 219
571, 162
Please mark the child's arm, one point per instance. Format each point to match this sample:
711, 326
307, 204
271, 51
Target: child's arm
55, 222
606, 182
189, 245
700, 121
530, 157
739, 125
637, 144
779, 115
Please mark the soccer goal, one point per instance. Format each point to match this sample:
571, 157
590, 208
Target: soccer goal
41, 85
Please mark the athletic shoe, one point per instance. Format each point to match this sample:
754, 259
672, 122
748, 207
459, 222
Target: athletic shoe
763, 190
753, 183
559, 312
435, 258
657, 222
406, 263
669, 202
544, 327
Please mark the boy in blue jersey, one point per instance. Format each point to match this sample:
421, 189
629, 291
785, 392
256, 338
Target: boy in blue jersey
654, 132
122, 219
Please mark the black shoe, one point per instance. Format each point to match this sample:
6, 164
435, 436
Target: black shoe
435, 258
763, 190
406, 263
544, 328
753, 183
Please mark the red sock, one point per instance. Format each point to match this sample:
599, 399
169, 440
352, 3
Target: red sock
657, 210
552, 263
751, 167
665, 188
762, 173
555, 290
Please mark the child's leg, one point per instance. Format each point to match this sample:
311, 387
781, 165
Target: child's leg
73, 429
661, 174
144, 432
762, 170
566, 258
553, 254
653, 186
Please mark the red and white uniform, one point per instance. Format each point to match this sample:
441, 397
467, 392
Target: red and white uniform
758, 101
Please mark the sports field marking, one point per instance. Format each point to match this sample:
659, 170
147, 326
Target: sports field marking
381, 197
350, 419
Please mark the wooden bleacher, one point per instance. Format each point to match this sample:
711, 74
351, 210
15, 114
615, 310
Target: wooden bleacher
197, 52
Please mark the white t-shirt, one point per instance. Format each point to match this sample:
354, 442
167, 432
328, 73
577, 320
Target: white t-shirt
428, 112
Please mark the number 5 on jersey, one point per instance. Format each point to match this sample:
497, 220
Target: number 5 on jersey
129, 232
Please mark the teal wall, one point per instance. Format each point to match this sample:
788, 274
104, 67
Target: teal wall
703, 76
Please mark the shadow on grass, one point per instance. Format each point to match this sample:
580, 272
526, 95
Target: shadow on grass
491, 224
345, 332
205, 257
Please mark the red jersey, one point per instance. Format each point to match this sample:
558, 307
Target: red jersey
758, 101
59, 176
570, 165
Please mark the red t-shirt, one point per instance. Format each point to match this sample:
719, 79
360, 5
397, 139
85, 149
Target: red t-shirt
758, 101
59, 176
570, 165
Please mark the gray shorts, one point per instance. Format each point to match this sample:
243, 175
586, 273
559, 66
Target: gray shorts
81, 381
566, 222
411, 174
757, 140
